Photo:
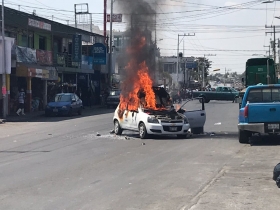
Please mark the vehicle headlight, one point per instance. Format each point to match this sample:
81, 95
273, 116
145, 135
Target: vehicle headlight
64, 107
186, 121
153, 120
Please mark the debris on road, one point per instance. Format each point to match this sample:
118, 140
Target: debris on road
112, 132
127, 138
143, 143
98, 134
212, 134
219, 123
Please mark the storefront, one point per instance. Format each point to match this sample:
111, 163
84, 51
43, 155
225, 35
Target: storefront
33, 80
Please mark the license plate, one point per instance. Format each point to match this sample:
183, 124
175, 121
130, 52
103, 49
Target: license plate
55, 110
173, 128
273, 126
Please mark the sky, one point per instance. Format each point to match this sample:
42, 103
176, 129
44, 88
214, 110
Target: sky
226, 32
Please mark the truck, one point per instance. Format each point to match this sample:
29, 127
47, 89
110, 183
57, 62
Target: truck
256, 72
220, 94
259, 112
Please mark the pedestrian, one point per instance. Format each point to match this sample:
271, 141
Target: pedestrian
21, 99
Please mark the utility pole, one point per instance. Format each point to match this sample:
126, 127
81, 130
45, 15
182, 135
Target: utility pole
268, 50
273, 43
203, 69
177, 69
3, 64
110, 45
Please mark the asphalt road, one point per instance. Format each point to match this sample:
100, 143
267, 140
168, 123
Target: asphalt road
61, 163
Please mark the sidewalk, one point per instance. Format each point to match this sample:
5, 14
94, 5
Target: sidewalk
13, 117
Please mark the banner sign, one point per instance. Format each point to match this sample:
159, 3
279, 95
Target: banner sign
99, 54
39, 24
26, 55
44, 57
115, 18
77, 48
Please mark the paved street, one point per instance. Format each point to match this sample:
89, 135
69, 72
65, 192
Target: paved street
61, 163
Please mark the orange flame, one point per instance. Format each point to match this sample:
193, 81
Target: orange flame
141, 81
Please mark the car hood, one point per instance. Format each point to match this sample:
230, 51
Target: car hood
58, 104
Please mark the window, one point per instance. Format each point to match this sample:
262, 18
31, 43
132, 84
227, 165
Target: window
42, 43
264, 95
62, 98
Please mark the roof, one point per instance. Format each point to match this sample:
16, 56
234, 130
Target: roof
19, 19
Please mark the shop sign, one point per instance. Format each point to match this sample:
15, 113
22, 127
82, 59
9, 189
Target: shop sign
39, 24
115, 18
44, 57
99, 54
77, 48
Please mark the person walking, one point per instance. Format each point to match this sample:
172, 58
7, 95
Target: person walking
21, 99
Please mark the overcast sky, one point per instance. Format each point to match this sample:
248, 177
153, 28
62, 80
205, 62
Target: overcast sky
233, 30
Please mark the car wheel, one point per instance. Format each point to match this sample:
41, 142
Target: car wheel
182, 136
202, 98
143, 131
117, 128
199, 130
244, 136
206, 100
80, 111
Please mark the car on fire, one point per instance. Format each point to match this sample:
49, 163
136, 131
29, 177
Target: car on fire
164, 120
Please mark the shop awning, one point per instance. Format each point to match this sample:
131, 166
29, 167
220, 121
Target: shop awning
32, 70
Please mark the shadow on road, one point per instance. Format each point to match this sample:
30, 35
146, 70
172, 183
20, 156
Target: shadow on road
220, 135
40, 116
265, 140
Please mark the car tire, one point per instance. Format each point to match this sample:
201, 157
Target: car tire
244, 136
199, 130
143, 131
200, 100
182, 136
117, 128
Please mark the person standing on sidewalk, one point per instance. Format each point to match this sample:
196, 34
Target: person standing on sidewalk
21, 99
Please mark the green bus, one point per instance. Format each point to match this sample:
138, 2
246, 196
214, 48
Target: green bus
256, 71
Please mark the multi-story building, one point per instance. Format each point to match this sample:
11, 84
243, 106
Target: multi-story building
43, 59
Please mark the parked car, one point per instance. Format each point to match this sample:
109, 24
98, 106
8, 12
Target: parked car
259, 112
113, 99
64, 104
164, 121
221, 94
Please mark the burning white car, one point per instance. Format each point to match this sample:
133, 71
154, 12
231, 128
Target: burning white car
161, 120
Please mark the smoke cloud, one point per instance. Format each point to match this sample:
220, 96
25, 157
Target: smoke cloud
140, 18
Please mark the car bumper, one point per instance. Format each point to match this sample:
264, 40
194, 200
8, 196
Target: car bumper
59, 112
159, 129
261, 128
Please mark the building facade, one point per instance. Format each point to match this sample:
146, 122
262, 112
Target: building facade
47, 58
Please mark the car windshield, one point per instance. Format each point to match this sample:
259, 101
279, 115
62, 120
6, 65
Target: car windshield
264, 95
62, 98
115, 93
